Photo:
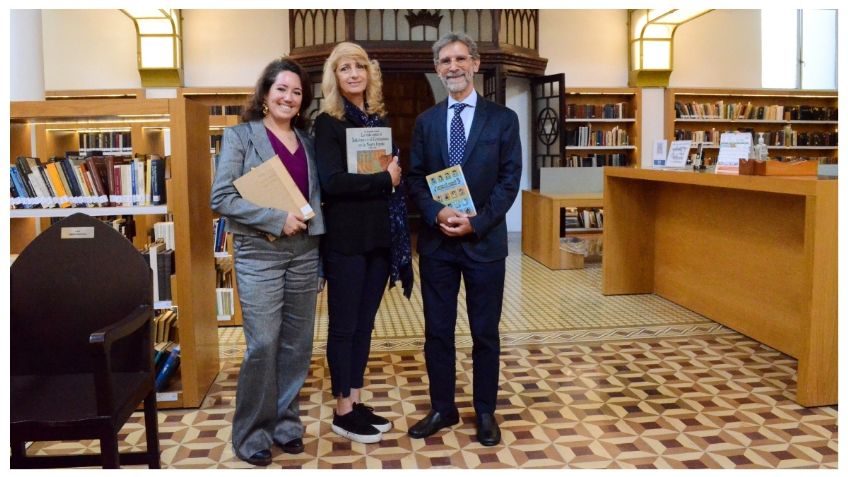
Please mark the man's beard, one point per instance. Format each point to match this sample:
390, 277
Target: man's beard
456, 85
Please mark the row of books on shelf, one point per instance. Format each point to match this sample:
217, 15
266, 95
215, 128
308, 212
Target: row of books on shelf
94, 181
592, 111
163, 266
219, 234
166, 361
123, 224
784, 137
165, 326
774, 112
590, 160
224, 291
166, 350
581, 218
230, 110
585, 136
166, 356
164, 232
225, 304
215, 142
105, 140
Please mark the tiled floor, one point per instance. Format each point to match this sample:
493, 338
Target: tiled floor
587, 382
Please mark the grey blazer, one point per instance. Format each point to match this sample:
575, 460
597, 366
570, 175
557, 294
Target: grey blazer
244, 147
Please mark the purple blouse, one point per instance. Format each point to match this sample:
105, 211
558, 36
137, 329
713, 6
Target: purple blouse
295, 163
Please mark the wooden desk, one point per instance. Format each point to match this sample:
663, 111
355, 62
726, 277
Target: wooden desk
540, 223
756, 254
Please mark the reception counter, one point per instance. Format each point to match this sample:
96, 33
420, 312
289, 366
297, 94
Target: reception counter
756, 254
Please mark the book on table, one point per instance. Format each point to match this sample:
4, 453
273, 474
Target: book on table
449, 188
271, 185
368, 149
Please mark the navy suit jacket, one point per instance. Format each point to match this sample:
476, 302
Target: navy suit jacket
492, 168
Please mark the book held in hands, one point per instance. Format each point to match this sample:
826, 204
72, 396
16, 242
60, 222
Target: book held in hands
368, 149
271, 185
448, 187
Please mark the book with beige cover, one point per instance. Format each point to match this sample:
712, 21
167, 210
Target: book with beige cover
368, 149
271, 185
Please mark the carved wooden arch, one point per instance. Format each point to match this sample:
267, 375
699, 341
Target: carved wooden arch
401, 40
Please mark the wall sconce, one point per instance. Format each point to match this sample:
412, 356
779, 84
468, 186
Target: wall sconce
160, 45
651, 35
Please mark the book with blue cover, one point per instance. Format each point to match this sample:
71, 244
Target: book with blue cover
449, 188
163, 377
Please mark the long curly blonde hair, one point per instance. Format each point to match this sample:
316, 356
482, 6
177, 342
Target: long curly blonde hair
332, 103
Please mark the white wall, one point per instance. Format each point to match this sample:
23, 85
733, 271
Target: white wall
589, 46
230, 47
89, 49
26, 82
719, 50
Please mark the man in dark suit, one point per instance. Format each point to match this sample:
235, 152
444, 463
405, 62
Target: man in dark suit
482, 137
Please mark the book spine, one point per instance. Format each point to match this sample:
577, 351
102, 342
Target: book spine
24, 170
97, 182
70, 177
55, 181
69, 193
17, 189
157, 186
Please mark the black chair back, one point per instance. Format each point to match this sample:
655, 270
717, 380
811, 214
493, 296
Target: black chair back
76, 277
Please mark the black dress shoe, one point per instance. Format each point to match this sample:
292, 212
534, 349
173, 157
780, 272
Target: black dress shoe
488, 432
262, 458
431, 423
294, 446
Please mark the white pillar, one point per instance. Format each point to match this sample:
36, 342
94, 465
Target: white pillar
653, 109
26, 57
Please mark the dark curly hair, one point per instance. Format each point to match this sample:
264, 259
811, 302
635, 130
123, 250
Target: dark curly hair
253, 111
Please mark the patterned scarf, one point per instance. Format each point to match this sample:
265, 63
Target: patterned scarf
401, 268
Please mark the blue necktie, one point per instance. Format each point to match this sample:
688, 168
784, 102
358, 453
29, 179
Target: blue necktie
456, 147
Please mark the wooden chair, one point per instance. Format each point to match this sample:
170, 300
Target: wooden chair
81, 351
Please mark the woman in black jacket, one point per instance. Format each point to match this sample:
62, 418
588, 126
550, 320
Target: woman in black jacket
367, 238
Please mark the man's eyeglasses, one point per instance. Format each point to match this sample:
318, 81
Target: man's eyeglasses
461, 61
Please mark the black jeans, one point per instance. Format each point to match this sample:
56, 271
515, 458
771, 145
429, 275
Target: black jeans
355, 286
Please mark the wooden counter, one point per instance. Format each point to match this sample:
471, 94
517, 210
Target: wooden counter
756, 254
540, 223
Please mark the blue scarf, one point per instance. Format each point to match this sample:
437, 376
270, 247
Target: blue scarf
401, 267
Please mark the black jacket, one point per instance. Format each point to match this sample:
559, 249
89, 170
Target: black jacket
356, 206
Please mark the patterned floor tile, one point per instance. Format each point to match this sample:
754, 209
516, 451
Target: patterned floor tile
587, 382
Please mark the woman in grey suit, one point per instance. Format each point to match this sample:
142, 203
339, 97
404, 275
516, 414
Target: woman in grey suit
276, 262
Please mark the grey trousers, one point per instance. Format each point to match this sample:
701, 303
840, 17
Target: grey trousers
277, 287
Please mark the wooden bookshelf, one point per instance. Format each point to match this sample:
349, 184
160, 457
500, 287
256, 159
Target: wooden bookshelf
220, 98
52, 124
540, 219
601, 112
814, 138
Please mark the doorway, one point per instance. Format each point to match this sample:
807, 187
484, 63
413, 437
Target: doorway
406, 95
